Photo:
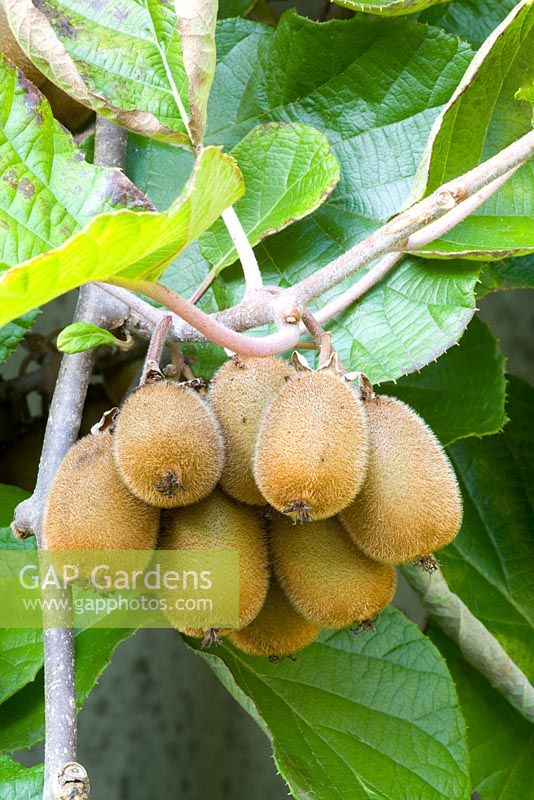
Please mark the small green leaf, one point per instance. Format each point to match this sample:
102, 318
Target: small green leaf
289, 170
388, 8
12, 334
18, 782
483, 116
489, 563
367, 717
75, 44
463, 393
501, 741
125, 244
80, 336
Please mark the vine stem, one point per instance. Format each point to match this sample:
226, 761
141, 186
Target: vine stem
479, 647
62, 428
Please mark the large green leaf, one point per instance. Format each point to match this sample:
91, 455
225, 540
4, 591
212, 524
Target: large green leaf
288, 171
388, 8
463, 393
373, 716
501, 741
47, 190
471, 20
75, 44
125, 244
489, 563
483, 116
18, 782
339, 77
22, 717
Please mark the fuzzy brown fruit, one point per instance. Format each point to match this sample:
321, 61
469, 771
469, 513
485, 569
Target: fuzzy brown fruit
70, 113
217, 523
239, 392
167, 445
410, 504
312, 447
278, 630
90, 508
325, 576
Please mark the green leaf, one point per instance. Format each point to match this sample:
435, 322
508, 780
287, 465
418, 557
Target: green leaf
196, 28
338, 77
234, 8
482, 117
511, 273
47, 191
18, 782
22, 717
10, 497
470, 20
489, 563
80, 336
408, 320
75, 44
388, 8
373, 716
501, 741
21, 651
288, 170
126, 244
12, 334
463, 393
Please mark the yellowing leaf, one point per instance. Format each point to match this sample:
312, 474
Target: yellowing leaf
125, 244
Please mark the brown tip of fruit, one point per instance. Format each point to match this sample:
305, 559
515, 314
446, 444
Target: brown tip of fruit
428, 564
365, 625
211, 639
168, 485
299, 510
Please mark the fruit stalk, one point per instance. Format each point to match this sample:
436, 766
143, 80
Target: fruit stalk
479, 647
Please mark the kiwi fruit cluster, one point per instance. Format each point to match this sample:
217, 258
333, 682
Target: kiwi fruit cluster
319, 484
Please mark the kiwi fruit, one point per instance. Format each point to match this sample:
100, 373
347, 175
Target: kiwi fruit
410, 504
69, 112
238, 393
218, 523
167, 445
312, 447
90, 508
278, 630
326, 578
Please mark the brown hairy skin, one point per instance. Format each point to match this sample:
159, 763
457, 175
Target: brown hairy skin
90, 508
278, 630
220, 524
312, 447
239, 392
325, 576
410, 504
167, 445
